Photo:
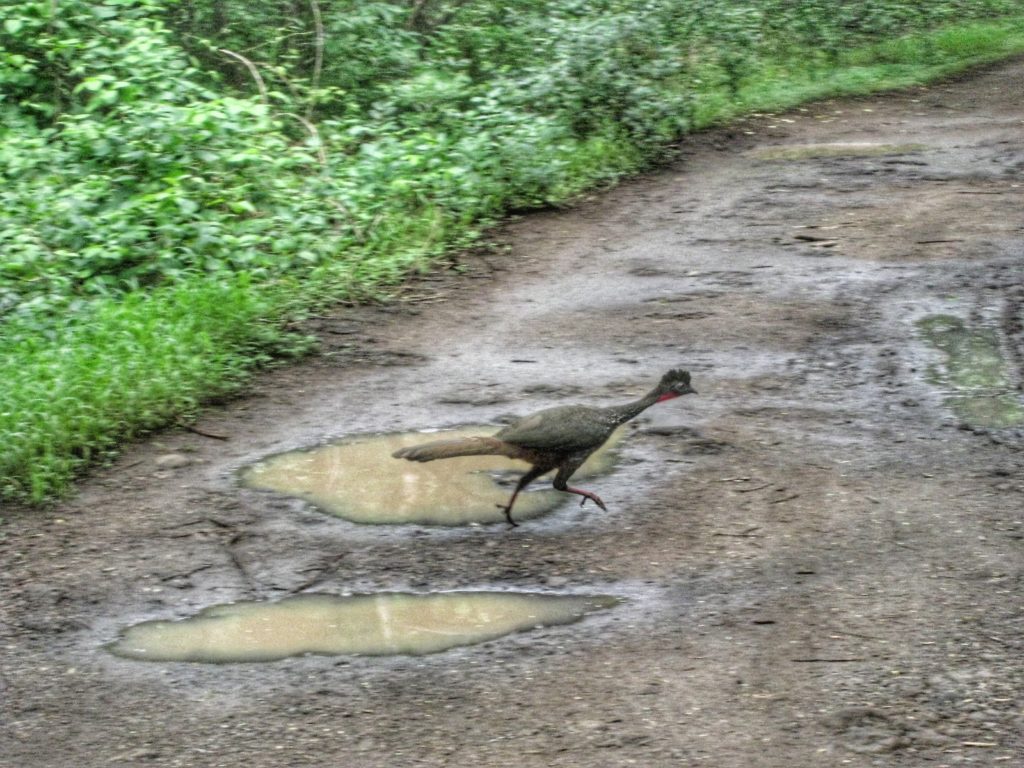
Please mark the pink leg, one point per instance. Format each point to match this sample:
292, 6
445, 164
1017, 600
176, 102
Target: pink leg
586, 495
564, 472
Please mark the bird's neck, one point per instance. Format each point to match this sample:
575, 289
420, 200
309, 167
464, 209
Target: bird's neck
624, 413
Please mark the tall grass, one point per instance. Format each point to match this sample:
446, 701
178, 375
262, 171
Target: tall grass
887, 65
70, 395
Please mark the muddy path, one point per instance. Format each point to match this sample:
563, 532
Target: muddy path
820, 555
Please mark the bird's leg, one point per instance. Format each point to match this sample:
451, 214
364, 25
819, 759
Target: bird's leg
524, 481
586, 495
561, 484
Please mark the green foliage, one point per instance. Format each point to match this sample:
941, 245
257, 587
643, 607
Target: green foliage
82, 56
143, 176
176, 178
105, 206
120, 367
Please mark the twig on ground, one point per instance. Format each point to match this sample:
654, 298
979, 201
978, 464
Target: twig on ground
202, 432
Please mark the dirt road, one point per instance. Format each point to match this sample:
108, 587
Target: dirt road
820, 555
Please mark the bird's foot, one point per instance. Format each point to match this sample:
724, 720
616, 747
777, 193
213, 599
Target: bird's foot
593, 497
508, 515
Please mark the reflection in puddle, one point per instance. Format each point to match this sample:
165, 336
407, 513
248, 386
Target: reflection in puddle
383, 624
975, 373
359, 480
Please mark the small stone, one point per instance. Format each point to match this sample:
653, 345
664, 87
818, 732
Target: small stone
930, 737
173, 461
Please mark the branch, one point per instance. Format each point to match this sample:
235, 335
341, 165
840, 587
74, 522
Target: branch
321, 153
413, 21
318, 56
262, 86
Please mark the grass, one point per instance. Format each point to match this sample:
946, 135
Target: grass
883, 66
122, 367
70, 395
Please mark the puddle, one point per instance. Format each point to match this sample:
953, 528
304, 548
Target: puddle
975, 374
358, 479
836, 149
375, 625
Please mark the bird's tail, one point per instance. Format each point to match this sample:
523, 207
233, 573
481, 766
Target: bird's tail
460, 446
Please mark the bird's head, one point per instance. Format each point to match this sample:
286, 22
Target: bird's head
675, 383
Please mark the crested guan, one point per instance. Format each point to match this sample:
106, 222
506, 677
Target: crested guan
556, 438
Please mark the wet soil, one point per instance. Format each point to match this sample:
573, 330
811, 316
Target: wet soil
821, 561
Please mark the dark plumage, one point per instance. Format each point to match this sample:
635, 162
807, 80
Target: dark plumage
556, 438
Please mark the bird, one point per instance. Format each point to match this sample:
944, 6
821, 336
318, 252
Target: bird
555, 438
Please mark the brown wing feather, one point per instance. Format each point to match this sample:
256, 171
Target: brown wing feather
461, 446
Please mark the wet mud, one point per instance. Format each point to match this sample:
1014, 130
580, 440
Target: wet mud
820, 554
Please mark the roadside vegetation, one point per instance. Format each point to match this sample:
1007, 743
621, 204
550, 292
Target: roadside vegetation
180, 181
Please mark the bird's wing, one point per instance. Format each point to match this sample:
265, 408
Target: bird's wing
567, 428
